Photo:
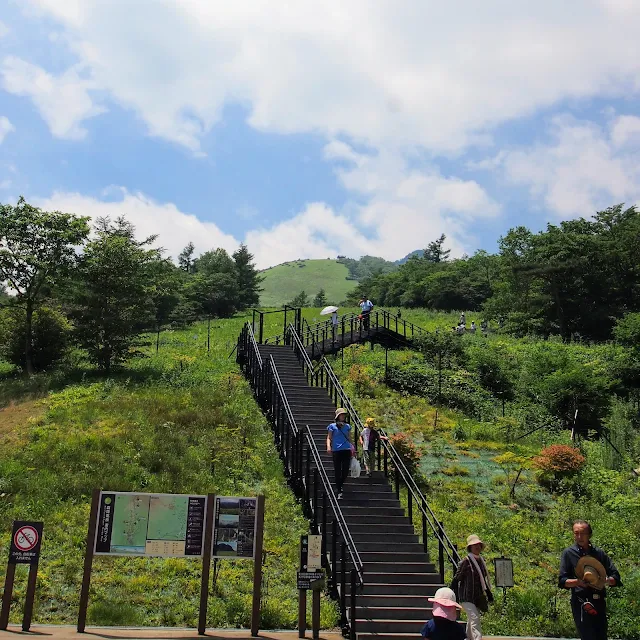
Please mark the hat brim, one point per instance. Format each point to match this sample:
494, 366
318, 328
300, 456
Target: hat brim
445, 602
594, 563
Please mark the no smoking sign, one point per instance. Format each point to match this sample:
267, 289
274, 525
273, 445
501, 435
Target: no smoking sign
25, 542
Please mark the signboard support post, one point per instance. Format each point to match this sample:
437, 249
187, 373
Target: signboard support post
302, 613
257, 562
315, 614
31, 593
88, 561
6, 596
206, 564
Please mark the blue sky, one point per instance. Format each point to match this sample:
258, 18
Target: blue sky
312, 130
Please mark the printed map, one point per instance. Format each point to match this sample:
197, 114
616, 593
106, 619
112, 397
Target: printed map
168, 518
130, 519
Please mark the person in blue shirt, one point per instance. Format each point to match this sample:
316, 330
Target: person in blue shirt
366, 307
339, 445
444, 624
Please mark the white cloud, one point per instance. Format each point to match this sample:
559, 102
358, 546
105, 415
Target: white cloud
626, 130
4, 30
584, 168
405, 208
175, 229
416, 72
63, 101
5, 128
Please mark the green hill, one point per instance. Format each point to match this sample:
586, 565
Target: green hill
283, 282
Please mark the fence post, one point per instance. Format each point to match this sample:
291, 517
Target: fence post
397, 483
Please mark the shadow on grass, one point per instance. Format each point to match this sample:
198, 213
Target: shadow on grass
16, 387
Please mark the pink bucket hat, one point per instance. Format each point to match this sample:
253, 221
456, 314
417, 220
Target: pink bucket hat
444, 604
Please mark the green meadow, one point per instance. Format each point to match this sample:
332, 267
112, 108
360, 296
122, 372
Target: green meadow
285, 281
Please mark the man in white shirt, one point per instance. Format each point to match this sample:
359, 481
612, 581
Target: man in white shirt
366, 306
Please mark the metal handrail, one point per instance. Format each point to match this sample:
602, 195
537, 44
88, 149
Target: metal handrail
252, 339
421, 501
335, 506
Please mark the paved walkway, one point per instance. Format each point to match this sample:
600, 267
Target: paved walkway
61, 632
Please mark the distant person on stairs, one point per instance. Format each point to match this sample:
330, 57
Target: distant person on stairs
366, 307
339, 445
334, 325
369, 441
473, 587
444, 625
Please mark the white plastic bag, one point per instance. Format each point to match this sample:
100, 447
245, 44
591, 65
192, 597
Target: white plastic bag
354, 468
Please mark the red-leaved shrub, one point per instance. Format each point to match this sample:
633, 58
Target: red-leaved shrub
407, 451
559, 460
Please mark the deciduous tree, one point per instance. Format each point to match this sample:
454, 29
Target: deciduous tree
36, 248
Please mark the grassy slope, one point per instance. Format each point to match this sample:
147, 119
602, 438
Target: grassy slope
283, 282
178, 421
467, 491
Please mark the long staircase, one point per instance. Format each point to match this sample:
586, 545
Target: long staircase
380, 569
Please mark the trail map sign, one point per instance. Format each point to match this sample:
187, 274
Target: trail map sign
150, 524
234, 528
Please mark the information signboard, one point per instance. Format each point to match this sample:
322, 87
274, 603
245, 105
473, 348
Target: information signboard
150, 524
26, 539
310, 580
234, 527
504, 572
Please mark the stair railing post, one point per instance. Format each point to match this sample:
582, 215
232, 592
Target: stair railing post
397, 474
261, 327
410, 506
441, 551
424, 527
343, 582
315, 498
334, 553
386, 463
352, 615
323, 540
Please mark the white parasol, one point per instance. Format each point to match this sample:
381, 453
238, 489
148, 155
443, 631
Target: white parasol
328, 310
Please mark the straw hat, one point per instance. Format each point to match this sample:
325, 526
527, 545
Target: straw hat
592, 571
340, 412
474, 539
370, 422
445, 597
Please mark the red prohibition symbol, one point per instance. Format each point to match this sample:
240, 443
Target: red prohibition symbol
26, 538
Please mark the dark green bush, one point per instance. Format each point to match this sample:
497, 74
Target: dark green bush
459, 389
50, 336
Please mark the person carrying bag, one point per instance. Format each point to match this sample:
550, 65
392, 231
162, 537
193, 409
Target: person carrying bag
473, 587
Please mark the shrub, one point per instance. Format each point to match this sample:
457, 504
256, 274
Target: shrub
50, 336
362, 381
407, 451
558, 463
561, 460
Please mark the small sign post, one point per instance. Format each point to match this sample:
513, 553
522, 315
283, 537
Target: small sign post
26, 541
504, 574
310, 577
